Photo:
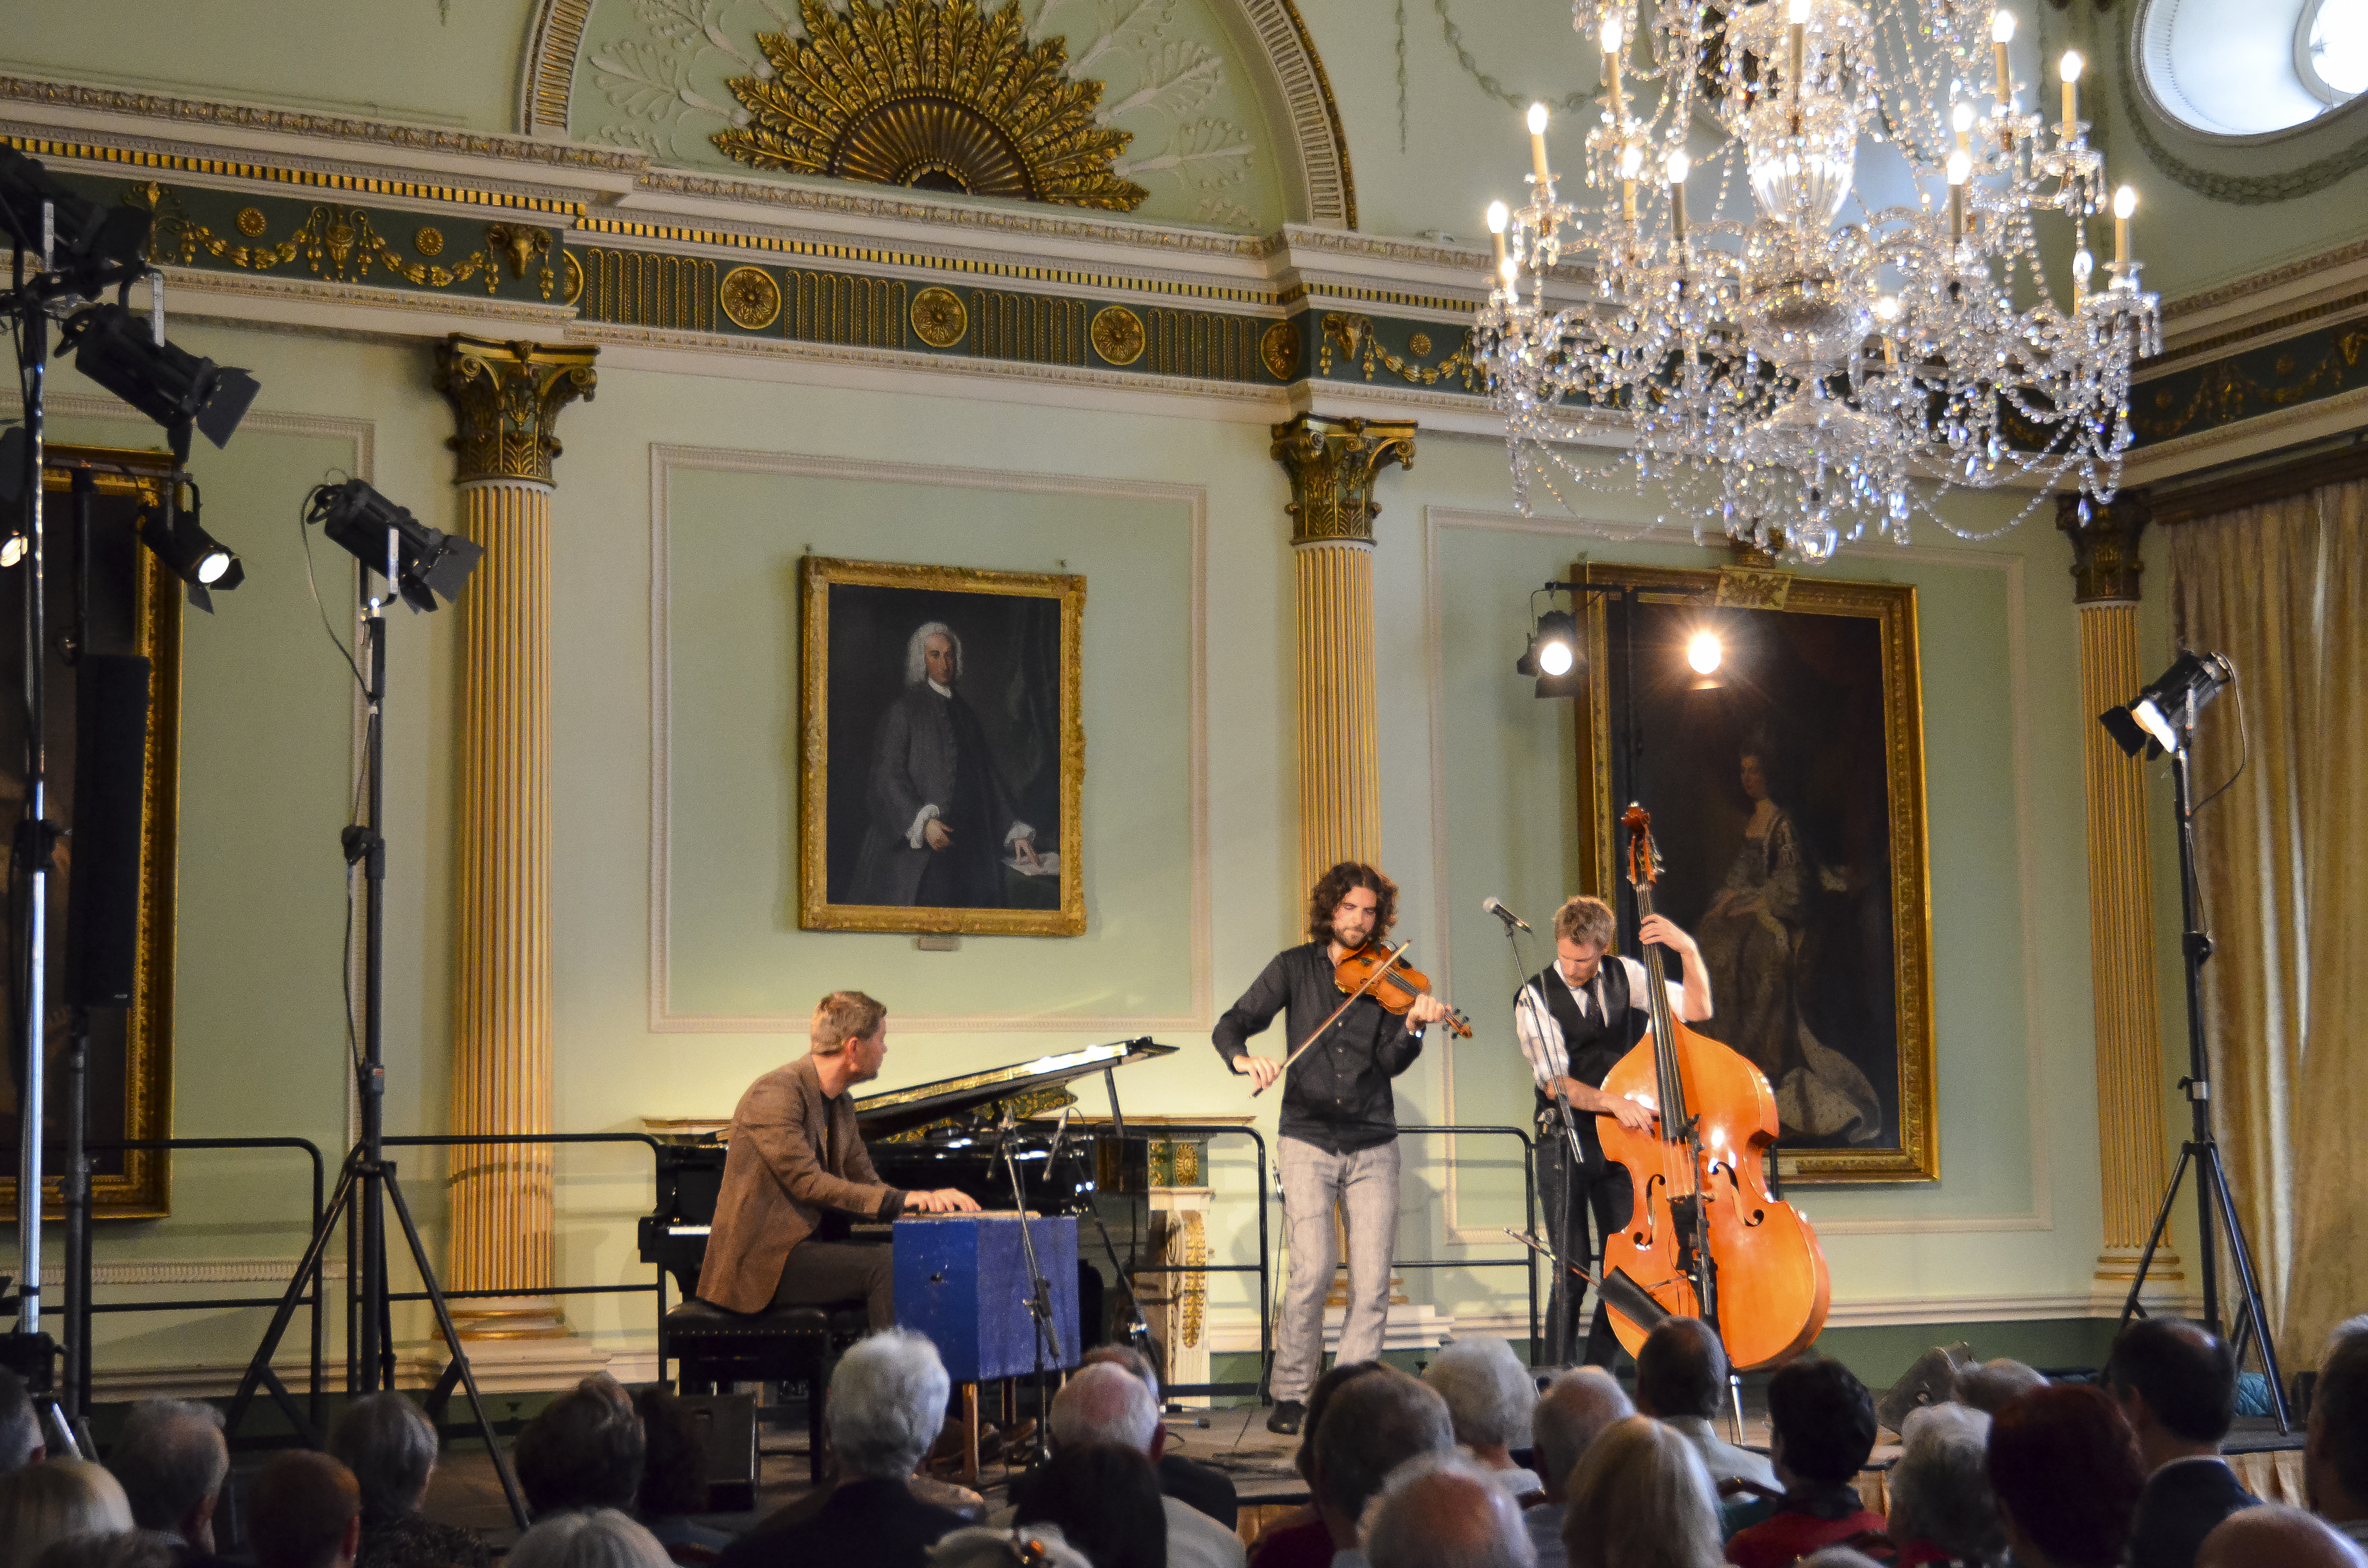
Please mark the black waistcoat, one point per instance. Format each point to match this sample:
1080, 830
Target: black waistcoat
1595, 1042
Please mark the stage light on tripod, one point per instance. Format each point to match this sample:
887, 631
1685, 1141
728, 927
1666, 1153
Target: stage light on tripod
429, 563
92, 245
2150, 722
1557, 638
170, 385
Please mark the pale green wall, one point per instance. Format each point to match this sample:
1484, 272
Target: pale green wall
435, 61
266, 768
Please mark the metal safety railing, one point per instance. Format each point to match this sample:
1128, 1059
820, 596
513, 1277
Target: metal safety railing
312, 1298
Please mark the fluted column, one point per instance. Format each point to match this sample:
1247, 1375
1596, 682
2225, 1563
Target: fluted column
506, 398
1332, 463
2105, 569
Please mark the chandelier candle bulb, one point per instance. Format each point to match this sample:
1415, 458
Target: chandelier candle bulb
2002, 34
1613, 40
2071, 68
1678, 166
1498, 218
1538, 147
2125, 201
1960, 167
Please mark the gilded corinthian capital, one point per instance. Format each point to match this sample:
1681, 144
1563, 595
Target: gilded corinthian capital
506, 398
2105, 564
1332, 463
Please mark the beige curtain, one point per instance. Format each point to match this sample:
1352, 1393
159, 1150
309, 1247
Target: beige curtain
2282, 589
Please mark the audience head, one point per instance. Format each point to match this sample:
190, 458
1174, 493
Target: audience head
2343, 1331
44, 1503
674, 1459
2175, 1382
2279, 1533
1103, 1403
306, 1510
1940, 1486
1442, 1511
1130, 1361
1319, 1400
1988, 1386
1571, 1414
2067, 1471
1105, 1498
2335, 1455
1837, 1557
1822, 1419
1374, 1424
1682, 1371
1641, 1498
587, 1538
1036, 1546
582, 1451
171, 1459
1489, 1393
887, 1403
390, 1445
21, 1426
119, 1549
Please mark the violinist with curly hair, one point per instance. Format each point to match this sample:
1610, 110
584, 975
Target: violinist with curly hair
1339, 1123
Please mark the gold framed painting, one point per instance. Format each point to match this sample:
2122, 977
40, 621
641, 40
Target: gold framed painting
132, 607
942, 753
1787, 797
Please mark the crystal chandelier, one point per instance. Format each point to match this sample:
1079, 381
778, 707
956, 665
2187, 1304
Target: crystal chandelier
1828, 366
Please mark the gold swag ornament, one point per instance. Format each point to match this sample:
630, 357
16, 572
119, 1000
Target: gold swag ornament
933, 94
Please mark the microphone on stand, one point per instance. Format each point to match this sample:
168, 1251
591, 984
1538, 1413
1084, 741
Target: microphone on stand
1513, 921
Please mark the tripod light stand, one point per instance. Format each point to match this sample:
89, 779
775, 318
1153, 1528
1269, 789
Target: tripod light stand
2162, 719
415, 564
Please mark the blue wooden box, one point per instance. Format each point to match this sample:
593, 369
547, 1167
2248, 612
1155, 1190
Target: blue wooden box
963, 1280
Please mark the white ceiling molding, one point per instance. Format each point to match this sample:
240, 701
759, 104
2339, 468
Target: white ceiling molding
1297, 94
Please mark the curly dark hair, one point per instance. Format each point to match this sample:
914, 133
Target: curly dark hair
1334, 885
674, 1459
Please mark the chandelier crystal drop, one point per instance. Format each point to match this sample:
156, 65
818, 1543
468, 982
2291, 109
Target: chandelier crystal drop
1800, 361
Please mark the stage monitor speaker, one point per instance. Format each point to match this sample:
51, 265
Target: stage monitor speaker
727, 1431
109, 796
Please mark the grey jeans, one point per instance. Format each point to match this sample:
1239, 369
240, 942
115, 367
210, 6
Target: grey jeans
1365, 1186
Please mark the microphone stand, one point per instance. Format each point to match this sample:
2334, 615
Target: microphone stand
1040, 1299
1558, 1336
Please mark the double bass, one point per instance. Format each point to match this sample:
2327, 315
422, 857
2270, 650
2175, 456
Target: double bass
1705, 1239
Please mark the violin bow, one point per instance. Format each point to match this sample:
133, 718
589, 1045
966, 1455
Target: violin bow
1380, 970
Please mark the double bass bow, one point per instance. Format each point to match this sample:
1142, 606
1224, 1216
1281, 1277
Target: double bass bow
1705, 1239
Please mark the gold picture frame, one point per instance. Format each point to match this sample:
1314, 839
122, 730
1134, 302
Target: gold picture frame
131, 1183
1797, 958
864, 713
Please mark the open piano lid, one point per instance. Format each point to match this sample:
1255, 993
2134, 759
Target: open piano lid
896, 1110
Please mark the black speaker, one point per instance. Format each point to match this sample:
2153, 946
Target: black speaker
103, 886
727, 1430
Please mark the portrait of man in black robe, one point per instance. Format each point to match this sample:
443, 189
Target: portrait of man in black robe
939, 823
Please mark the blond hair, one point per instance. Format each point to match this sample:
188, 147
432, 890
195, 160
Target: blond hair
1641, 1498
1583, 919
44, 1503
843, 1016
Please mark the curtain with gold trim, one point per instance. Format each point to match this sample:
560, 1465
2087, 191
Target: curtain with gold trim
2282, 590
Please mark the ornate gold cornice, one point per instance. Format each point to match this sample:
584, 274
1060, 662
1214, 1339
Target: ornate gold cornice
506, 398
2105, 564
1332, 463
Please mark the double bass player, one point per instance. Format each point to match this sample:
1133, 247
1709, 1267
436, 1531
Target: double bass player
1576, 1018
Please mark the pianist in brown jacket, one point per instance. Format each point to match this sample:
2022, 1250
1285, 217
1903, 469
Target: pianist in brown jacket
794, 1151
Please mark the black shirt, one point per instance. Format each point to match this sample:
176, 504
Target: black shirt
1337, 1096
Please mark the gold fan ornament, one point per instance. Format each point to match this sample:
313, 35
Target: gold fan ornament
935, 94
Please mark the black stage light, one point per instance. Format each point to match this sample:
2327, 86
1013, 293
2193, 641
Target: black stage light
1553, 655
170, 385
94, 245
190, 553
2151, 721
429, 563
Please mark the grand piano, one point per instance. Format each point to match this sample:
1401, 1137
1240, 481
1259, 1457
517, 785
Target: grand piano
953, 1134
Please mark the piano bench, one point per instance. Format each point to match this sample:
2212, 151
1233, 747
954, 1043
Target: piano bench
781, 1345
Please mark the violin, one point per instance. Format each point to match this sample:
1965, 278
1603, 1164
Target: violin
1381, 974
1706, 1238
